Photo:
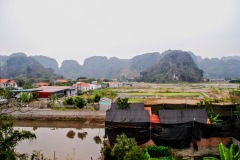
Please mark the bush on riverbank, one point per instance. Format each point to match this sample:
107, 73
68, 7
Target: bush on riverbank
10, 137
74, 101
124, 149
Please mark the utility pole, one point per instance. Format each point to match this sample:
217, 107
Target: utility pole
78, 88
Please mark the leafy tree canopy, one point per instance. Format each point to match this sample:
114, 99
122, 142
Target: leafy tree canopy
122, 103
79, 102
127, 149
10, 137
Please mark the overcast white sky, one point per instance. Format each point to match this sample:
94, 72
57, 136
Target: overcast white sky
77, 29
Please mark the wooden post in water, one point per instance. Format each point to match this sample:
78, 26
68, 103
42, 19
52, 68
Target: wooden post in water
54, 156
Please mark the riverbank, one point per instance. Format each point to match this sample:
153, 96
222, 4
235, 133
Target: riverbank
84, 117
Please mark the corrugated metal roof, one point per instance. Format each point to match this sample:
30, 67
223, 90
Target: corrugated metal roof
46, 89
55, 88
26, 90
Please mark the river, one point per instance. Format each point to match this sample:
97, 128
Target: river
62, 139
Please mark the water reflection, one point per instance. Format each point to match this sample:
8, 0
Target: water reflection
70, 134
97, 139
82, 135
63, 143
35, 128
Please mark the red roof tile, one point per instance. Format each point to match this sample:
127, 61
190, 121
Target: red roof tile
83, 84
74, 85
149, 109
62, 81
4, 80
154, 119
42, 84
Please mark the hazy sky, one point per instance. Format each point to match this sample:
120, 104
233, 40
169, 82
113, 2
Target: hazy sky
77, 29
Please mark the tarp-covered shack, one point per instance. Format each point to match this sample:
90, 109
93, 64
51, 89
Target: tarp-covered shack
134, 122
178, 128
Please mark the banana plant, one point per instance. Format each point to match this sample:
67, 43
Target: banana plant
228, 153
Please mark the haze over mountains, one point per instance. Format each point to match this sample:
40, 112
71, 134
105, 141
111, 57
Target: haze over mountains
18, 65
174, 66
101, 66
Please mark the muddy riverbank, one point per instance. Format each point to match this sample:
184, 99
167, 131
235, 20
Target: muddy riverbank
83, 117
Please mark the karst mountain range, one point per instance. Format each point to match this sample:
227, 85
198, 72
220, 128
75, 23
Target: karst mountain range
171, 65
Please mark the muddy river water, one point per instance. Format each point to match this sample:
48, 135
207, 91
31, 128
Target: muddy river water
62, 140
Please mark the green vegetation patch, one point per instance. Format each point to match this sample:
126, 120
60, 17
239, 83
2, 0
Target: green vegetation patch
167, 94
206, 97
158, 152
135, 100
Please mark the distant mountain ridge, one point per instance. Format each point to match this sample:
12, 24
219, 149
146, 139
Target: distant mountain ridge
70, 69
47, 62
174, 66
226, 67
142, 62
101, 66
18, 65
230, 57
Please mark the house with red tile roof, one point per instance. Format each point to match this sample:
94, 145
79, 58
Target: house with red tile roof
94, 86
114, 84
40, 84
83, 86
5, 83
61, 81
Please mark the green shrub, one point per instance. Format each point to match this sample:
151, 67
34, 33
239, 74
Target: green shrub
25, 97
79, 102
122, 103
122, 146
147, 154
96, 98
158, 151
90, 100
53, 98
107, 153
136, 153
35, 95
68, 101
